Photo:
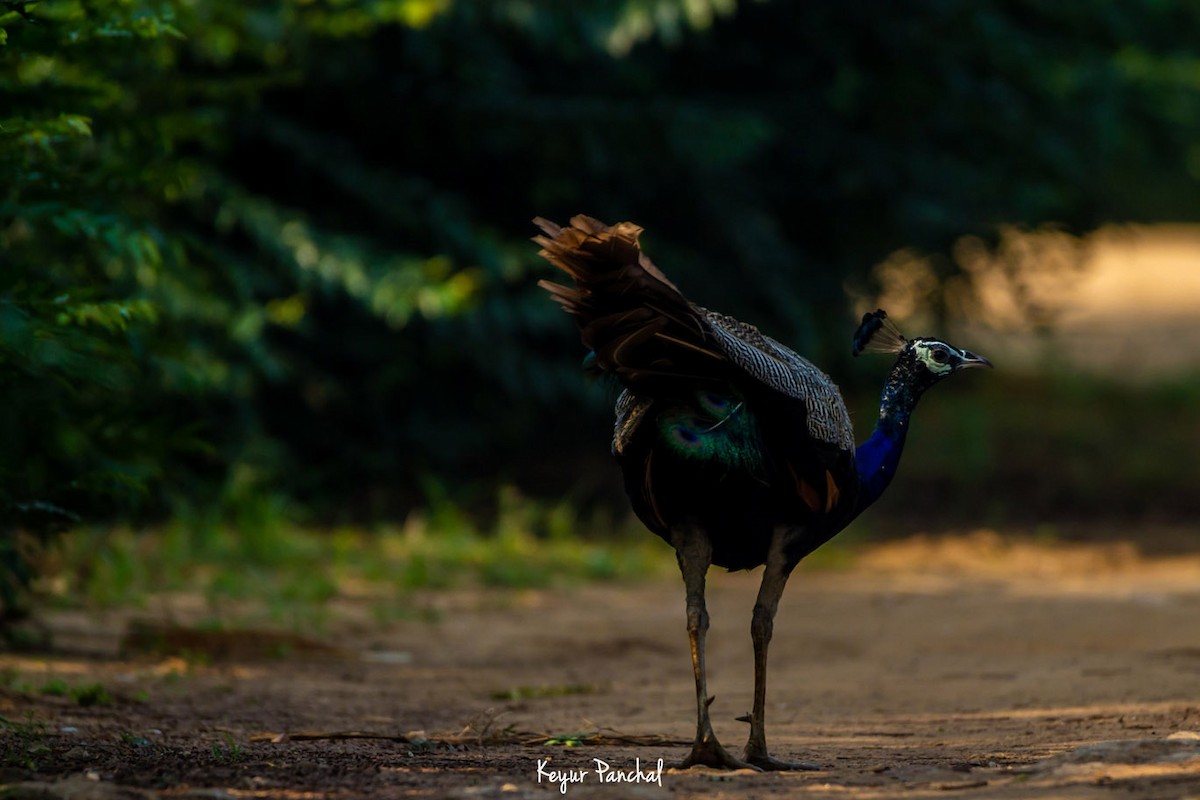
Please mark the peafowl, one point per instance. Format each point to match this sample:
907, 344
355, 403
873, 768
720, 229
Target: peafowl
734, 449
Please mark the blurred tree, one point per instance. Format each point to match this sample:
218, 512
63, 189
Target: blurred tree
74, 243
773, 154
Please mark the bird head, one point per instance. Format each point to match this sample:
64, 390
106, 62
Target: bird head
926, 360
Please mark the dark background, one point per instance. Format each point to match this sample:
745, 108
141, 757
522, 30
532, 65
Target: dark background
273, 259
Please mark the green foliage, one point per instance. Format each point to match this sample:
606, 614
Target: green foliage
73, 227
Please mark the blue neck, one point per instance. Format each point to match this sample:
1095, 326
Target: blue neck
878, 457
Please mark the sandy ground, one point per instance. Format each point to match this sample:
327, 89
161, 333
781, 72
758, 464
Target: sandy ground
966, 667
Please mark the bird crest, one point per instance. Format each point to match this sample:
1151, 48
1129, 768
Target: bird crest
877, 334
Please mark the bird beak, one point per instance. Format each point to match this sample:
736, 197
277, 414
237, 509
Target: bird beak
969, 359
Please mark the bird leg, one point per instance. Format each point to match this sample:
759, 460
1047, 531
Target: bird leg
693, 550
762, 624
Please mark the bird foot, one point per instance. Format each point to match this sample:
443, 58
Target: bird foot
710, 753
769, 763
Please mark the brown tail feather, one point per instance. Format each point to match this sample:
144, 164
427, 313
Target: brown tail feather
633, 318
576, 249
567, 297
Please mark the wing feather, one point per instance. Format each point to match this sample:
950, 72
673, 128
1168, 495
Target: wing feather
643, 330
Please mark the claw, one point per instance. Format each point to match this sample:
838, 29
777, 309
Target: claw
743, 718
768, 763
710, 753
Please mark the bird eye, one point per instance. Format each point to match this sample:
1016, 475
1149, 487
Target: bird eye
940, 354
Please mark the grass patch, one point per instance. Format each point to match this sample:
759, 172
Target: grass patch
288, 575
92, 694
540, 692
228, 751
89, 694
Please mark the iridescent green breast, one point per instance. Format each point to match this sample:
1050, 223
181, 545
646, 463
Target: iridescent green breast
714, 427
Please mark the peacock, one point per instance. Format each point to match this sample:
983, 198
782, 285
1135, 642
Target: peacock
734, 449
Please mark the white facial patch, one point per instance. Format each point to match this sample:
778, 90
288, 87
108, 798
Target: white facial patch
929, 354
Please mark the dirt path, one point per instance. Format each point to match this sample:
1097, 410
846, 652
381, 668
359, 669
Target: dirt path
990, 671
